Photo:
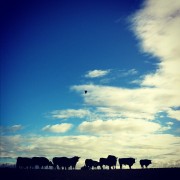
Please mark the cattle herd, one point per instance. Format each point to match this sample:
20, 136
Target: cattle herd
66, 163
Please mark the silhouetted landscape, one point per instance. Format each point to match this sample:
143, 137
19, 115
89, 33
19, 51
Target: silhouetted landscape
64, 168
125, 174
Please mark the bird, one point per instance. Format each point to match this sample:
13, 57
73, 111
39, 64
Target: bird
85, 91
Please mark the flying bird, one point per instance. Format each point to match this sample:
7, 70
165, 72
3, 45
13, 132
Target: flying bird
85, 91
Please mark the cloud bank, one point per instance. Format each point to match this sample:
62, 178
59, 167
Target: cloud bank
157, 26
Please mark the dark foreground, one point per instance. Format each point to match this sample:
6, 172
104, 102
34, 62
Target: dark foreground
125, 174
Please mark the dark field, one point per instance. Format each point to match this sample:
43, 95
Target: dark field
125, 174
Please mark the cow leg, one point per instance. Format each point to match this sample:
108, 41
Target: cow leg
120, 166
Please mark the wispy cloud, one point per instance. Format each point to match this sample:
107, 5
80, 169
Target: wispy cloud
10, 129
70, 113
96, 73
128, 72
57, 128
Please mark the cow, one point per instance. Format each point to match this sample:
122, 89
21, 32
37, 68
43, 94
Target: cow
41, 162
95, 164
73, 161
60, 162
23, 163
91, 163
109, 161
65, 163
112, 161
145, 162
103, 161
126, 161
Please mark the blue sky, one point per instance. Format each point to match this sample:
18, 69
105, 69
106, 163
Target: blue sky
124, 54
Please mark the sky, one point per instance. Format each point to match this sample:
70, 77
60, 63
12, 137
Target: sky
125, 54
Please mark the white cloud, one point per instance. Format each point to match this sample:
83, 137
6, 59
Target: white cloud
170, 123
10, 129
175, 114
121, 126
96, 73
157, 26
58, 128
69, 113
140, 102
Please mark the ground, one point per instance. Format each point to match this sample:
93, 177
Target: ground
124, 174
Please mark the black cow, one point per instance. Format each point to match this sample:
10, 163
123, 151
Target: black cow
145, 162
112, 161
65, 163
41, 162
109, 161
102, 162
73, 161
95, 164
23, 163
61, 162
91, 163
126, 161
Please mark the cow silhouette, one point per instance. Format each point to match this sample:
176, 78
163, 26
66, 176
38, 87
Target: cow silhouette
58, 162
73, 161
96, 164
23, 163
41, 162
91, 164
65, 162
109, 161
145, 162
112, 160
126, 161
103, 162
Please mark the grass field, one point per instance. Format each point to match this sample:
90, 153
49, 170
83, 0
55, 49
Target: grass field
125, 174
